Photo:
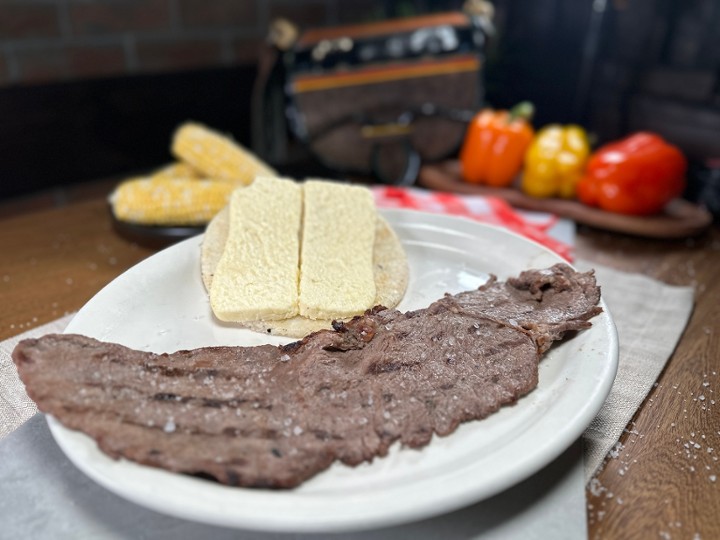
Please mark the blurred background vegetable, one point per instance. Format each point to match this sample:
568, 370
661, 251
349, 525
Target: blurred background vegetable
495, 144
637, 175
555, 161
170, 201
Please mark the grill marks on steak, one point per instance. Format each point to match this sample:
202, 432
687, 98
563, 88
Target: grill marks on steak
275, 416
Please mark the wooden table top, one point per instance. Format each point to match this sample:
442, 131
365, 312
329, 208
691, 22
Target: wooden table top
659, 486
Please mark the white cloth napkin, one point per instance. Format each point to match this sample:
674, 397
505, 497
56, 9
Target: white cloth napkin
650, 317
15, 405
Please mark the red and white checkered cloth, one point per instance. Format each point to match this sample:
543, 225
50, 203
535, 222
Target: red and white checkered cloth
492, 210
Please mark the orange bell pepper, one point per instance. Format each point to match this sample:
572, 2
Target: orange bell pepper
638, 175
495, 144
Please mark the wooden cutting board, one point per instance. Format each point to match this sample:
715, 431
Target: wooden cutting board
679, 219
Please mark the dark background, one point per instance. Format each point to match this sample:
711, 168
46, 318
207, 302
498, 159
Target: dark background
94, 89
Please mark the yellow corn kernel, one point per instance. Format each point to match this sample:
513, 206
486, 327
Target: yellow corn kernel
170, 201
177, 169
217, 156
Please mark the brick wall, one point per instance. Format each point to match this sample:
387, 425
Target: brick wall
44, 41
94, 88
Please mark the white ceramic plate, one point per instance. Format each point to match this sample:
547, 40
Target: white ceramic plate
160, 305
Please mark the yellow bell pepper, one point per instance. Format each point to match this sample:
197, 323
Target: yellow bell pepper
555, 161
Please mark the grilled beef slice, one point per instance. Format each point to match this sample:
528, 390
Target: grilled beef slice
272, 416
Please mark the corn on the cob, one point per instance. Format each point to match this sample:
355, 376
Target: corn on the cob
177, 169
217, 156
170, 201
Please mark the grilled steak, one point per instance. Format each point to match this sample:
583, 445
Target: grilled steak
272, 416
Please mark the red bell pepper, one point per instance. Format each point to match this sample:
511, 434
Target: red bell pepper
638, 175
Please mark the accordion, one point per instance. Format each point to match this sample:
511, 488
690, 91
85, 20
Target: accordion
379, 99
